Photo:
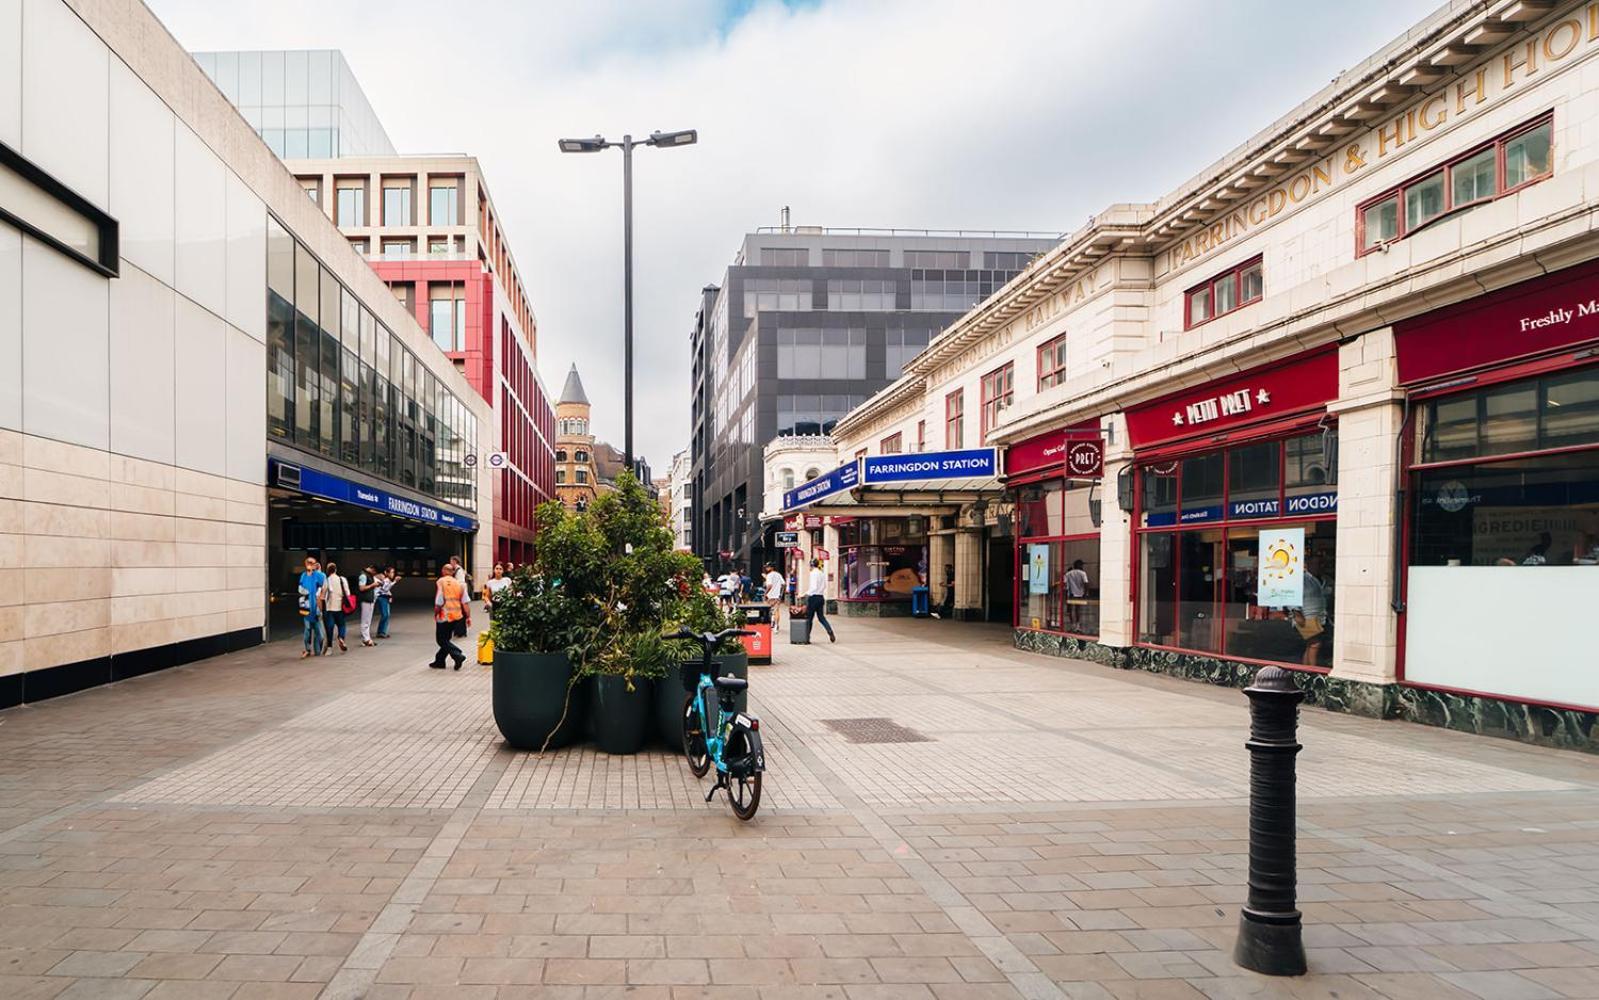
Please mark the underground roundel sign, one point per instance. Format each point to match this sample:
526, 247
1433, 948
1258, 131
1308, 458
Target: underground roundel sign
1085, 458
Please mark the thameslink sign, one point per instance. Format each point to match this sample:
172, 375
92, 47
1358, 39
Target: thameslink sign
971, 463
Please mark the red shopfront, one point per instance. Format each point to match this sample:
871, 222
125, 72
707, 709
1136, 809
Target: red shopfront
1055, 483
1500, 561
1235, 511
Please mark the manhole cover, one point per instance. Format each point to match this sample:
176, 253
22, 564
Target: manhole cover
874, 731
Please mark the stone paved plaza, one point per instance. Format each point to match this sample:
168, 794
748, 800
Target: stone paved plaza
261, 826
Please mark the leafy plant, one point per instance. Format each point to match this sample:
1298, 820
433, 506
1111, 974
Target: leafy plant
701, 612
551, 605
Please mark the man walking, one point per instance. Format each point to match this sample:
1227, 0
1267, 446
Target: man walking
816, 602
451, 617
367, 594
313, 585
773, 586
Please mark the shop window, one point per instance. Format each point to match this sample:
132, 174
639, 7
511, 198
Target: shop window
1556, 411
1057, 558
1052, 363
1502, 166
954, 419
882, 558
1237, 287
999, 391
1236, 550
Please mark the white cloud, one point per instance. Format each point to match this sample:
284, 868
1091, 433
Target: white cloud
908, 113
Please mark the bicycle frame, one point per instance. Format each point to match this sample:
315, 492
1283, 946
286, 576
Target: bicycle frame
715, 737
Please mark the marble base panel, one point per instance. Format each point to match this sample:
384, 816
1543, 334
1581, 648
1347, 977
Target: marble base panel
1564, 728
67, 678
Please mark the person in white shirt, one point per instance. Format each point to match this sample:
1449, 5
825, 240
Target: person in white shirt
772, 584
1076, 591
816, 601
725, 587
496, 583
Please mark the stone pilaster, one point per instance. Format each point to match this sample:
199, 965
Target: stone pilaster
940, 553
1115, 541
968, 572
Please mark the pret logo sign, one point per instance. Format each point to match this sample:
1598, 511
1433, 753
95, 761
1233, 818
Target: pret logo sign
1085, 458
1231, 404
1269, 392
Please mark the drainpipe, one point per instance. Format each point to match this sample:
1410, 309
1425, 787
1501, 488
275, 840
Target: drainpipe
1397, 602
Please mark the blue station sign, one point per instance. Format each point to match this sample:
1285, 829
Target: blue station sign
845, 477
330, 487
971, 463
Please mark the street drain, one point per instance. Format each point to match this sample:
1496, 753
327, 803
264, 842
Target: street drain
874, 731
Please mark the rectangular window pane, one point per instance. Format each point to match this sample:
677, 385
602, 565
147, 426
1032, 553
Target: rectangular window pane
443, 204
1199, 305
1527, 156
1381, 222
1252, 480
1473, 178
1226, 292
1159, 502
1201, 488
1157, 589
1424, 200
1570, 409
1253, 281
1297, 633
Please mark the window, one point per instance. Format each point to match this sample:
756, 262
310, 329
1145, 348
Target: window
921, 435
954, 412
776, 295
397, 203
811, 353
350, 208
785, 257
900, 346
1211, 526
560, 454
938, 260
999, 390
848, 295
892, 445
1513, 160
313, 189
804, 414
788, 479
956, 292
861, 453
447, 315
444, 202
439, 246
1057, 556
854, 258
1008, 260
560, 475
1233, 289
399, 249
582, 475
580, 455
881, 558
1052, 363
361, 245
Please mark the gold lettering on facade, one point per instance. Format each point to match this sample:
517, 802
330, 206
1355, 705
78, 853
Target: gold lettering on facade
1549, 52
1529, 62
1354, 158
1430, 121
1384, 137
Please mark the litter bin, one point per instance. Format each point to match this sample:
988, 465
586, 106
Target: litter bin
920, 602
757, 618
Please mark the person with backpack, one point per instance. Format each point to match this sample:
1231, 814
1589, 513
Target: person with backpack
338, 601
452, 616
367, 593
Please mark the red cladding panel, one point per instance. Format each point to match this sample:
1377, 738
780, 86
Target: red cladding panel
1544, 314
1260, 394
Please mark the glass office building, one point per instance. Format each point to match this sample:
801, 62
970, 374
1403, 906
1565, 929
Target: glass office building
303, 103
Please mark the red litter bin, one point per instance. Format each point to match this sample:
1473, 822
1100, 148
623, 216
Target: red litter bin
757, 619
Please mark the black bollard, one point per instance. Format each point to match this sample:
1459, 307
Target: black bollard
1269, 938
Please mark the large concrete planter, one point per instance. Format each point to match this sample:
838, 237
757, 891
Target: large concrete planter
529, 696
679, 681
619, 719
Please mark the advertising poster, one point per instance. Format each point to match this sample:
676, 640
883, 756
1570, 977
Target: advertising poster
1282, 568
1038, 568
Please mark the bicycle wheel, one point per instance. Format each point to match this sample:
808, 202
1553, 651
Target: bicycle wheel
699, 760
744, 795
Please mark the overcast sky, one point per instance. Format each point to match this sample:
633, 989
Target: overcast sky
905, 113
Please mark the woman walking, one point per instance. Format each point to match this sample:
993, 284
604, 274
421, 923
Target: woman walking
386, 581
496, 583
336, 596
367, 591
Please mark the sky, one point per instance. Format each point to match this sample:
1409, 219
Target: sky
938, 114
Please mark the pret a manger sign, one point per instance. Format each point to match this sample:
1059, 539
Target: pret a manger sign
1559, 42
1269, 392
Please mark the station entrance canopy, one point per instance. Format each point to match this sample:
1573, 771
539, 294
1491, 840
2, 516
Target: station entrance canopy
933, 477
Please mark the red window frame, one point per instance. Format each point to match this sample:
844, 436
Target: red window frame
861, 453
921, 435
1233, 276
1397, 192
894, 444
954, 419
998, 392
1052, 362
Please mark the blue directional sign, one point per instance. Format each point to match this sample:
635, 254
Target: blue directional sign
330, 487
845, 477
972, 463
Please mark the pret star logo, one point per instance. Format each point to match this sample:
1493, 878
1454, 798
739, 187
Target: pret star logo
1177, 419
1263, 397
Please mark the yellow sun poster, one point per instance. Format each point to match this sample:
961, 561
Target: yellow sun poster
1282, 568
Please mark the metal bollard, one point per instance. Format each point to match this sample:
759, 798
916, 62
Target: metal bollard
1269, 930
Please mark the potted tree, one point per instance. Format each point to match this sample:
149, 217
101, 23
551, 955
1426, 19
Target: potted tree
646, 583
543, 631
700, 613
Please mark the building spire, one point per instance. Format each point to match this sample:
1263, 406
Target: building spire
573, 392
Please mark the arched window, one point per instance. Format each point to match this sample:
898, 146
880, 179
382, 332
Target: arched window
812, 473
560, 454
788, 479
580, 456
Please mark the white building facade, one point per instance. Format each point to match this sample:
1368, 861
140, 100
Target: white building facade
152, 252
1332, 405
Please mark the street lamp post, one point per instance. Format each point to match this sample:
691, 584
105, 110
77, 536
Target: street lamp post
685, 137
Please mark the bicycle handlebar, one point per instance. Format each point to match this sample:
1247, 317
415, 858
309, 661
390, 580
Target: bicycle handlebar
707, 639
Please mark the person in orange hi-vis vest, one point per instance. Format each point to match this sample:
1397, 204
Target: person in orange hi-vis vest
451, 617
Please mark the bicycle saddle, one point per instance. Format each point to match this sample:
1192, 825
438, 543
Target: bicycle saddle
730, 683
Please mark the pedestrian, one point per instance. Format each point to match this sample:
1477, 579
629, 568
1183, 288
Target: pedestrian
724, 589
386, 582
816, 602
949, 590
773, 585
496, 583
312, 583
793, 586
1077, 582
337, 598
452, 616
746, 586
367, 591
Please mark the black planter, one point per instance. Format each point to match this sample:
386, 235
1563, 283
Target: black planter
529, 695
669, 695
619, 719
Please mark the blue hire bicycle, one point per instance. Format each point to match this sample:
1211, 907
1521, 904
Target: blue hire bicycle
733, 740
